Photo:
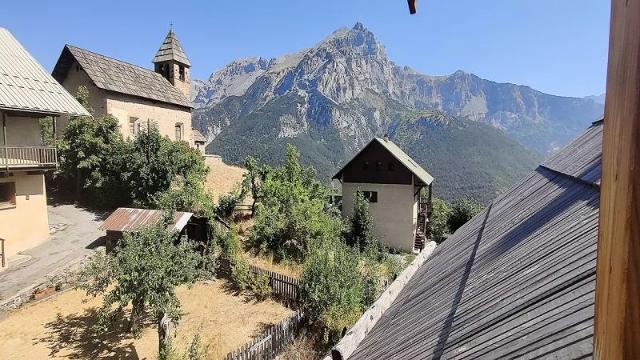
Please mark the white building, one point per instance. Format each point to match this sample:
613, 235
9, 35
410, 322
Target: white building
392, 182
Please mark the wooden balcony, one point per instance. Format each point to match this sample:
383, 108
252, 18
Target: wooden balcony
28, 157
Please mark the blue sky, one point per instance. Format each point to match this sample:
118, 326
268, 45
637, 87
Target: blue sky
556, 46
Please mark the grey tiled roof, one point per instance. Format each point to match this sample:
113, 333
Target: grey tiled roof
26, 86
119, 76
517, 281
197, 136
171, 50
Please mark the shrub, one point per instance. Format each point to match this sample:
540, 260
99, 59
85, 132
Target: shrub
438, 223
360, 233
331, 287
260, 286
227, 204
462, 211
292, 213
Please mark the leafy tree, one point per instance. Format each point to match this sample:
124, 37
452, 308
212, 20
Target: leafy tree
292, 212
438, 223
155, 162
331, 287
462, 211
91, 153
360, 234
143, 273
255, 174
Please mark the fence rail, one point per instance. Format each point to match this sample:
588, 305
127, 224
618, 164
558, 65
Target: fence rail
271, 342
28, 156
283, 286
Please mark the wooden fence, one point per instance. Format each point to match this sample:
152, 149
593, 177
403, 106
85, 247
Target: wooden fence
271, 342
282, 286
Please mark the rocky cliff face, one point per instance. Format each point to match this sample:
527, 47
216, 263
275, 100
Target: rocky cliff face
331, 99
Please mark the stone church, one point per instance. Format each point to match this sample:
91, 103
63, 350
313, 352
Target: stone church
136, 96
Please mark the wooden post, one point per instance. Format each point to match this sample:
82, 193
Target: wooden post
617, 305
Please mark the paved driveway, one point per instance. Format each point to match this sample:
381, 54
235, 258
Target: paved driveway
76, 235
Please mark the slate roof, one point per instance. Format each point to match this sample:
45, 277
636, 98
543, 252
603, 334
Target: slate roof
170, 50
400, 155
197, 136
26, 86
517, 281
119, 76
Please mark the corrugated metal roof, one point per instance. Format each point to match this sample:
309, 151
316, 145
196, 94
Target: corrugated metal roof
26, 86
517, 281
400, 155
119, 76
131, 219
171, 50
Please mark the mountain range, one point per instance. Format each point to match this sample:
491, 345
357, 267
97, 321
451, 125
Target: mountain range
474, 135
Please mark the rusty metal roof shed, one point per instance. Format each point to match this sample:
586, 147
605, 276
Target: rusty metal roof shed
25, 86
132, 220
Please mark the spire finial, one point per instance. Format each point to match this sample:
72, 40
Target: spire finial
170, 27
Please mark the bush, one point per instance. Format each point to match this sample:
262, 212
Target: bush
260, 286
227, 204
331, 287
462, 211
360, 234
292, 213
438, 223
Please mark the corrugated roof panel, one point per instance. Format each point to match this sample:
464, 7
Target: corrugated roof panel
517, 281
121, 77
26, 86
131, 219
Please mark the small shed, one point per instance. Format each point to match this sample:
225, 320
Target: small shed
131, 220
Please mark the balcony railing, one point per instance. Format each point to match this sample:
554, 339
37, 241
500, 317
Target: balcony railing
28, 157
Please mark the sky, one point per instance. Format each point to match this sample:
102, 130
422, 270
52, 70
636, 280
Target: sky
555, 46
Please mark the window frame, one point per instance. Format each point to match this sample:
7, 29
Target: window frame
370, 196
179, 131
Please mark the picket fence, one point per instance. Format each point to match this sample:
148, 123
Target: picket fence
282, 286
271, 342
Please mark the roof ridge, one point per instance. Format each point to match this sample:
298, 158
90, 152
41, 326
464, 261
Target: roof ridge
112, 58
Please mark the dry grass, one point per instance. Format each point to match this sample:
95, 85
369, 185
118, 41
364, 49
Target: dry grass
61, 327
266, 262
222, 178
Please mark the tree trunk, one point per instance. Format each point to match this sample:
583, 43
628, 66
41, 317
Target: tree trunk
137, 310
165, 330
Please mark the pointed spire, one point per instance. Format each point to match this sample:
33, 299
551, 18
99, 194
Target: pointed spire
171, 50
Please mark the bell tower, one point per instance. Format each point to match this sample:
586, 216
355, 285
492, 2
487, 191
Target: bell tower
172, 63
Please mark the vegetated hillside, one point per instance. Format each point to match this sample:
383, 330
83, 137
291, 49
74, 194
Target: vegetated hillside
330, 100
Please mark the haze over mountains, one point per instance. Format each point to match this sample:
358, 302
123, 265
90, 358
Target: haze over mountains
474, 135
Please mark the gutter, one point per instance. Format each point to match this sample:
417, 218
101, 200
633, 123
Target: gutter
349, 343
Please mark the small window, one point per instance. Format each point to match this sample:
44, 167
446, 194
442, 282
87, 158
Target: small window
179, 132
181, 73
365, 165
134, 126
379, 166
7, 194
371, 196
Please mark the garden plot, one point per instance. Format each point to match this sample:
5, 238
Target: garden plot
62, 326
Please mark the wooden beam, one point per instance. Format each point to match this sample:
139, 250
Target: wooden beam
617, 305
412, 6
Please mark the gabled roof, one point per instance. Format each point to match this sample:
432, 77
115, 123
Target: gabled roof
118, 76
25, 86
400, 155
197, 136
131, 220
170, 50
516, 281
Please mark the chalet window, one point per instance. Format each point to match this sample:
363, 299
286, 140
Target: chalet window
371, 196
179, 132
379, 166
7, 194
365, 165
181, 73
